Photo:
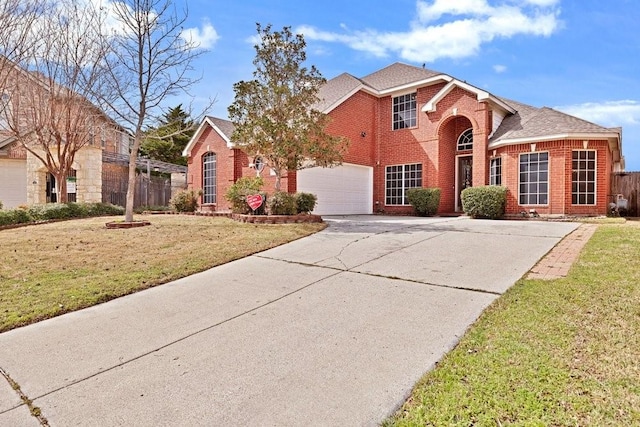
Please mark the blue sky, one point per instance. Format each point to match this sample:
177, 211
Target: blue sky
578, 56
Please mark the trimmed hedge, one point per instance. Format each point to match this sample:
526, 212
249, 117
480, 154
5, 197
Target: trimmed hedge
487, 201
58, 211
14, 216
425, 201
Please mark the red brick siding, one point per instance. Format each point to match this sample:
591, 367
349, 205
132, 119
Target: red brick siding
560, 177
211, 141
432, 143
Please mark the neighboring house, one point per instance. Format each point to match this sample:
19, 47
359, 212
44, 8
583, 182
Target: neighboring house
411, 127
27, 106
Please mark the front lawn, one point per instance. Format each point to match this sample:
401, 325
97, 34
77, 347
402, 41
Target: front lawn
564, 352
50, 269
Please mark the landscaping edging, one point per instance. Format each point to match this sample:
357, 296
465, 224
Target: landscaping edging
123, 224
251, 219
277, 219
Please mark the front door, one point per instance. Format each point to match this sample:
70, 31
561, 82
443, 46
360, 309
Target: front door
464, 178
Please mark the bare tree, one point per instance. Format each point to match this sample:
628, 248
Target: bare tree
48, 84
17, 21
149, 62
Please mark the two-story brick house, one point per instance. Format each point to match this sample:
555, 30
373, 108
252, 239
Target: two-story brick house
27, 97
412, 127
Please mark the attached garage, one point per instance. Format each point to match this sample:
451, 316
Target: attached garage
13, 182
342, 190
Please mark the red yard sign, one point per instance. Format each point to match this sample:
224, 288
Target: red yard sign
254, 201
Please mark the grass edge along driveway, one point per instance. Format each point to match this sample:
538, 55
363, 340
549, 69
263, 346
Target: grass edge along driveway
560, 352
56, 268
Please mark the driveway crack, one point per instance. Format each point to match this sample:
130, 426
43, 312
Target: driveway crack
34, 410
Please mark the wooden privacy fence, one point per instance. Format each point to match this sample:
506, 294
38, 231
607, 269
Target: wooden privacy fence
627, 184
149, 191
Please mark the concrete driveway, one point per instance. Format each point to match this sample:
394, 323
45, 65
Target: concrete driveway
333, 329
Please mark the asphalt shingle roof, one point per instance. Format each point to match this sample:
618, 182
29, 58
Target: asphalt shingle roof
397, 74
335, 89
225, 126
532, 122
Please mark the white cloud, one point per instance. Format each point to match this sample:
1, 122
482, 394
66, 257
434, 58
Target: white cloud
499, 68
448, 29
204, 37
608, 113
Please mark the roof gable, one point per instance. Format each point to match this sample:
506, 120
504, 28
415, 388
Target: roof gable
222, 127
481, 95
337, 90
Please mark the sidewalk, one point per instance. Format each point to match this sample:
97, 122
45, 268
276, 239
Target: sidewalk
558, 261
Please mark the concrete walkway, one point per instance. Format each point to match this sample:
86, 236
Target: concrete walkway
332, 329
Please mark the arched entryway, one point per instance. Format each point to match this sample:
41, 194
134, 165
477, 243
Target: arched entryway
51, 187
455, 161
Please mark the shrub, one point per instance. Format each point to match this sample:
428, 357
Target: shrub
425, 201
77, 210
50, 211
24, 214
282, 203
104, 209
1, 205
238, 192
305, 202
487, 201
14, 216
185, 201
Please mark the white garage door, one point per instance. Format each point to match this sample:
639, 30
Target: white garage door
342, 190
13, 183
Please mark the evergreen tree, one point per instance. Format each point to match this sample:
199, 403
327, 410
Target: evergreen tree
167, 141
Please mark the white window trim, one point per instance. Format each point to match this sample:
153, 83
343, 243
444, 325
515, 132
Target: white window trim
595, 180
501, 168
460, 136
396, 95
403, 165
215, 175
548, 178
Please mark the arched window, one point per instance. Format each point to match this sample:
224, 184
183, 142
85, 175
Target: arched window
209, 182
465, 140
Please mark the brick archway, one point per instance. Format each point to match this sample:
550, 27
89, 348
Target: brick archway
449, 158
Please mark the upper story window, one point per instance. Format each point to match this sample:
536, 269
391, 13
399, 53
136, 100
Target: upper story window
5, 110
404, 111
465, 140
103, 137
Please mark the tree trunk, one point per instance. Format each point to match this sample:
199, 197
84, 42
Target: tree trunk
61, 187
278, 178
131, 187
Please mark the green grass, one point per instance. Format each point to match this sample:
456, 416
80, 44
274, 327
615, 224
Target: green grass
548, 353
51, 269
